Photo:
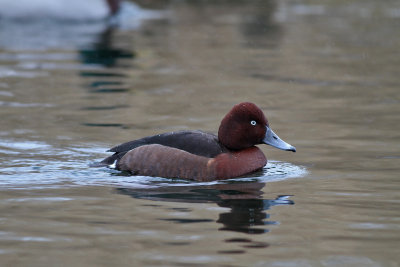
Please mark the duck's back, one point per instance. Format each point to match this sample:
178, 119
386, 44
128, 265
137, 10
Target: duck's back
195, 142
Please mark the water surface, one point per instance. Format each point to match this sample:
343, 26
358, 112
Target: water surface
326, 75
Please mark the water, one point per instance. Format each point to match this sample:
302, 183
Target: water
326, 74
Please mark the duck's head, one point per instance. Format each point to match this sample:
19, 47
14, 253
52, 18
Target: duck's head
245, 125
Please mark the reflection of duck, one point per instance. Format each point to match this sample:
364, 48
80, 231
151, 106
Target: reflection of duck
246, 207
102, 52
246, 212
62, 9
202, 156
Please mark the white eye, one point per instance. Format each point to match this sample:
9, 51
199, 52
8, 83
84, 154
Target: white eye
253, 123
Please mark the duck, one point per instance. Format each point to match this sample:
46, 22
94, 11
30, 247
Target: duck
201, 156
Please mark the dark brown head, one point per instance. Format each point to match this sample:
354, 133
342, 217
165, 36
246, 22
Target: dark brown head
245, 126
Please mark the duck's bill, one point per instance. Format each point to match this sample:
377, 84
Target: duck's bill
273, 140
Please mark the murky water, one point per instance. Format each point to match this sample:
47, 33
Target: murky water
326, 74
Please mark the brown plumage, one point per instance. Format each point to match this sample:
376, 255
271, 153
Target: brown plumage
151, 160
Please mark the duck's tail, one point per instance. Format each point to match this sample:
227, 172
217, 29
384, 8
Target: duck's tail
109, 161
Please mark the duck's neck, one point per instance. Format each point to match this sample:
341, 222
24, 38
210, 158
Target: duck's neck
237, 163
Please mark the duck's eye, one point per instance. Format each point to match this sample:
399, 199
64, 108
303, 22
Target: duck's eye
253, 123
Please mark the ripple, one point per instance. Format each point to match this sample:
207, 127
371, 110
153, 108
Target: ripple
274, 171
24, 105
23, 145
48, 166
11, 236
6, 72
39, 199
40, 174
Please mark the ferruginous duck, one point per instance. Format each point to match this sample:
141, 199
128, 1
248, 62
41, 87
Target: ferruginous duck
201, 156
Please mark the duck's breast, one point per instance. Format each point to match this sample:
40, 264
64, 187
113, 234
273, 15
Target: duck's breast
238, 163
